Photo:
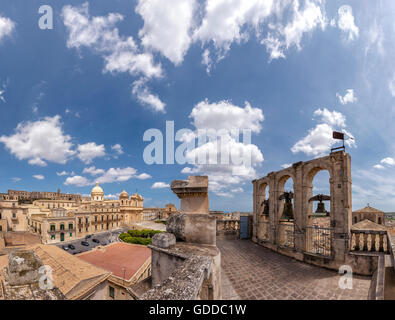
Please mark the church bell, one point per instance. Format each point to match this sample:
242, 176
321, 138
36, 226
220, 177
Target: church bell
321, 208
288, 212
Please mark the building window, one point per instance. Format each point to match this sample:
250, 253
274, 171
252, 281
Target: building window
71, 234
52, 227
79, 220
14, 215
79, 230
86, 220
86, 229
53, 237
62, 226
70, 226
111, 292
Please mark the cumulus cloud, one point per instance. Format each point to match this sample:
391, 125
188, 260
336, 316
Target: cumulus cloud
319, 140
117, 148
286, 165
40, 141
226, 22
93, 171
39, 177
333, 118
143, 176
89, 151
349, 97
121, 54
225, 122
225, 115
378, 166
167, 33
7, 26
63, 173
346, 22
105, 176
388, 161
160, 185
145, 97
78, 181
117, 175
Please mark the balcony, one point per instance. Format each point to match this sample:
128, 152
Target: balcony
367, 236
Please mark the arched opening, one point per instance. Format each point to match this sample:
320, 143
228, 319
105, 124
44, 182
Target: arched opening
319, 202
263, 211
319, 198
285, 214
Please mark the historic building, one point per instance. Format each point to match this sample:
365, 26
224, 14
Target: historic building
368, 213
68, 220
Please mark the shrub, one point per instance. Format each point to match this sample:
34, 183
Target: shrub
145, 233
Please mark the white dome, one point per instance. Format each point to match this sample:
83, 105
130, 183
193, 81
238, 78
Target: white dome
97, 190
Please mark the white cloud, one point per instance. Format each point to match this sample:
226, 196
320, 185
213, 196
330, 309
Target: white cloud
378, 166
206, 60
160, 185
303, 22
143, 176
63, 173
7, 26
145, 97
117, 175
286, 165
16, 179
224, 20
319, 140
224, 116
121, 54
117, 148
167, 33
40, 141
333, 118
346, 22
78, 181
347, 98
388, 161
39, 177
93, 171
88, 151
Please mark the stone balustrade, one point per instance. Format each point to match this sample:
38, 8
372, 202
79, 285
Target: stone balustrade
228, 228
369, 241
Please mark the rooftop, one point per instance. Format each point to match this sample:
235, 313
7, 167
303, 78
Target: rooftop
369, 209
118, 257
71, 275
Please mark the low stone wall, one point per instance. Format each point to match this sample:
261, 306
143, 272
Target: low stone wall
228, 229
20, 238
185, 272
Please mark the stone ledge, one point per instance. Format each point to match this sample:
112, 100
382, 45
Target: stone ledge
184, 283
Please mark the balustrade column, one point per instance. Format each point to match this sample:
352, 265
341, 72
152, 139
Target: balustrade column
373, 246
357, 241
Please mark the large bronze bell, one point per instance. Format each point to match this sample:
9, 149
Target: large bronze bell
288, 212
266, 208
320, 208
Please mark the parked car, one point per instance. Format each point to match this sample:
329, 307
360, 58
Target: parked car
71, 246
88, 236
95, 240
84, 243
65, 248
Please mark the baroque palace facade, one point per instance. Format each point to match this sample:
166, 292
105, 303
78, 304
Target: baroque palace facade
69, 218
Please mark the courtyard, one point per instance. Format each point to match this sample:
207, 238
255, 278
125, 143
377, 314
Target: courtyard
252, 272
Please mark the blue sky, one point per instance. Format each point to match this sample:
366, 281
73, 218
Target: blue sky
76, 100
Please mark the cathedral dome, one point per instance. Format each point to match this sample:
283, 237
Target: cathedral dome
124, 195
97, 190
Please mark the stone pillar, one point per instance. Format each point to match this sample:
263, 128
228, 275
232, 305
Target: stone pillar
341, 203
193, 224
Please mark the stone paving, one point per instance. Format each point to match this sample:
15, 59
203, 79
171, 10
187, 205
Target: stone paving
253, 272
